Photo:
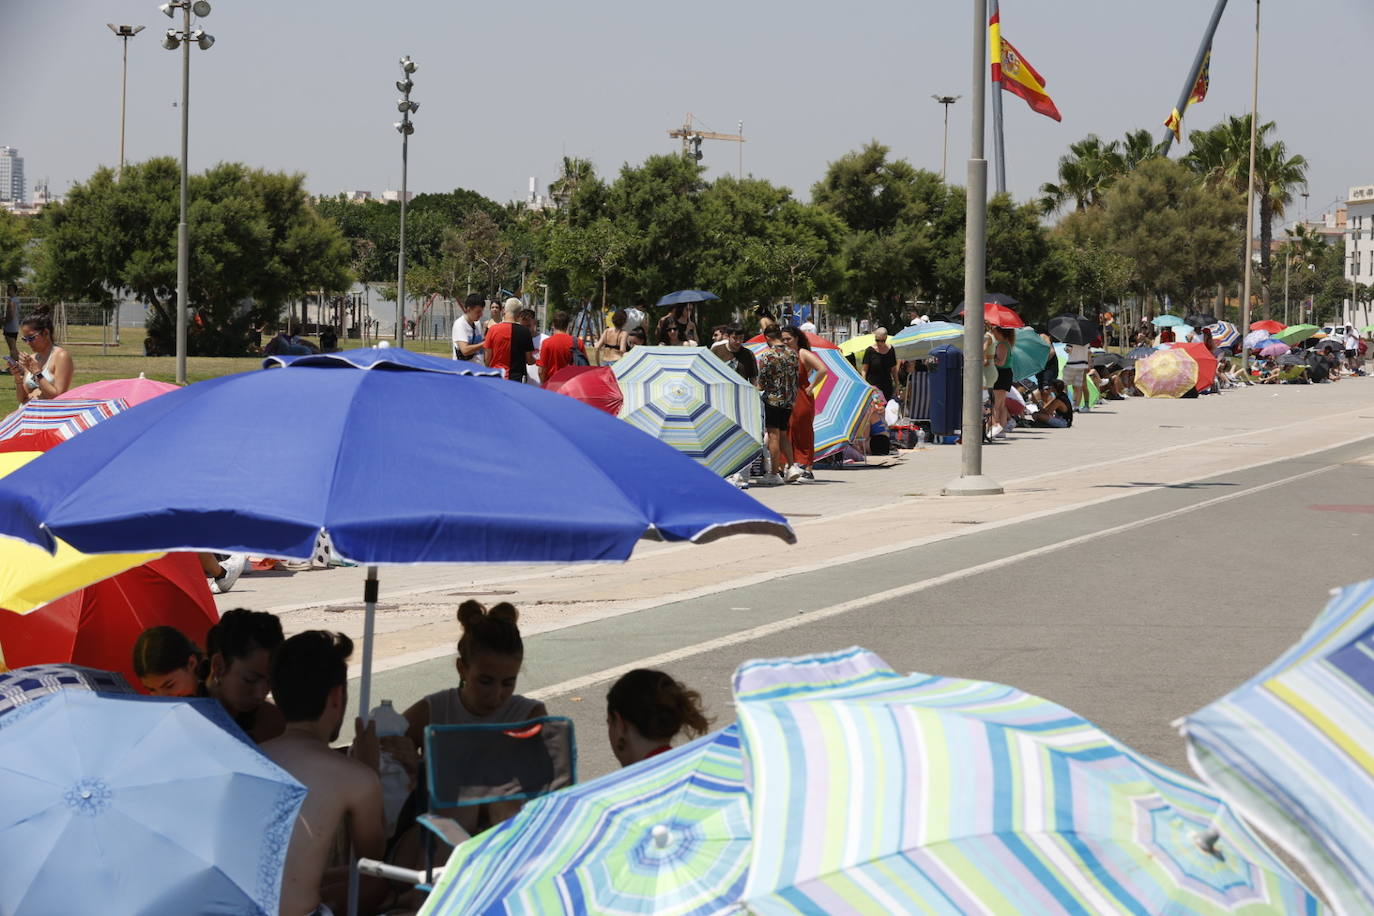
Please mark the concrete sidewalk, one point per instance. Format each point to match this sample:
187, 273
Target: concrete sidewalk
1125, 447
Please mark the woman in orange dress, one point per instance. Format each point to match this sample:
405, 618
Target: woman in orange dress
801, 431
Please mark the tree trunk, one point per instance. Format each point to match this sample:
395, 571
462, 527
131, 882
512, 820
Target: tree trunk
1266, 215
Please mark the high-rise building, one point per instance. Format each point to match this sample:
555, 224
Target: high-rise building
11, 175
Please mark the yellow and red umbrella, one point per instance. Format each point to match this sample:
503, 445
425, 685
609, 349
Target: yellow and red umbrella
1166, 374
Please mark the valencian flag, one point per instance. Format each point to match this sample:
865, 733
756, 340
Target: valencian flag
1204, 79
1016, 74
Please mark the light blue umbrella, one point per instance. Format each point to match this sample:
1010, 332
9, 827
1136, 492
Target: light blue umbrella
917, 340
926, 794
126, 804
1293, 749
1164, 321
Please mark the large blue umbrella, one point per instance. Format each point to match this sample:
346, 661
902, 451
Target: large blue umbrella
685, 296
397, 457
127, 804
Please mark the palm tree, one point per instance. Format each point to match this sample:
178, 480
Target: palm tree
1221, 156
573, 173
1137, 148
1084, 174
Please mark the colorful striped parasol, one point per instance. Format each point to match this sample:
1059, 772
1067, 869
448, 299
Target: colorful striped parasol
842, 404
1167, 374
917, 340
1293, 749
940, 795
1225, 334
688, 398
593, 848
65, 418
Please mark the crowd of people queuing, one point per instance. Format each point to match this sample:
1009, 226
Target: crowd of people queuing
290, 696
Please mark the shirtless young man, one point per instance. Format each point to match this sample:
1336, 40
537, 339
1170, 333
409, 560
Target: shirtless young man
344, 804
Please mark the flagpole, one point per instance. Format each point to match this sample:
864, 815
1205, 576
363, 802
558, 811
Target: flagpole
999, 154
1193, 73
1250, 200
971, 481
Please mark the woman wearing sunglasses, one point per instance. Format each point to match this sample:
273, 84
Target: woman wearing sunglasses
46, 372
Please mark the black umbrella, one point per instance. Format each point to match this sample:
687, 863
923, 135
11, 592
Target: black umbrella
1331, 344
1199, 320
1106, 361
1074, 329
1292, 359
1140, 353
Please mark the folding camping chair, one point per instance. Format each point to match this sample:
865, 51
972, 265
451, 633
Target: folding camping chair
486, 764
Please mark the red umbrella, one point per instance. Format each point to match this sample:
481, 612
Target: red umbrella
96, 626
37, 441
594, 385
1206, 362
817, 341
1268, 326
1000, 315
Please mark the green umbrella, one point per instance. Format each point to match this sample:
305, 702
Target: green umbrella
1297, 333
1029, 354
1367, 329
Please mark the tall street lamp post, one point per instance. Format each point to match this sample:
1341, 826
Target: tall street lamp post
406, 107
124, 33
971, 481
946, 100
171, 41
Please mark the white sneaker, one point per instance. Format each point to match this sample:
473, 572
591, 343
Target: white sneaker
233, 568
769, 480
1001, 434
997, 432
793, 474
739, 480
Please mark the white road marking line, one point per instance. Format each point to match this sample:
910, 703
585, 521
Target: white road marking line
835, 610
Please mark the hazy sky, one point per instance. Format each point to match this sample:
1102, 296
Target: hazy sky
507, 89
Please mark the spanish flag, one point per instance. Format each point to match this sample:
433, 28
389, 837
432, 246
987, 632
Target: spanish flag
1204, 81
1015, 74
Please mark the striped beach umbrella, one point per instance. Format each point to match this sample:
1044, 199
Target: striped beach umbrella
940, 795
1168, 373
842, 404
688, 398
1293, 749
61, 418
669, 835
917, 340
1225, 334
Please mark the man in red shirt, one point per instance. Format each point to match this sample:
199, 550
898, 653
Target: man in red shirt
508, 344
558, 348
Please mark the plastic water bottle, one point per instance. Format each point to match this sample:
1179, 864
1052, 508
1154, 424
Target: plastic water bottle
920, 437
395, 779
389, 721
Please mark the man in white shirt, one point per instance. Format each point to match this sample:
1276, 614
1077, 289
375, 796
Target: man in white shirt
1352, 348
467, 331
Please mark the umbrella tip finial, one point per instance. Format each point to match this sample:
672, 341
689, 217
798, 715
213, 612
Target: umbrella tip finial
1207, 842
661, 835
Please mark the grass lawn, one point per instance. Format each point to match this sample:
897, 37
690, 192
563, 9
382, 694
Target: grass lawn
127, 360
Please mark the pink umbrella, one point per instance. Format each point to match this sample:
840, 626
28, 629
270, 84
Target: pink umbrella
130, 390
1269, 351
1166, 374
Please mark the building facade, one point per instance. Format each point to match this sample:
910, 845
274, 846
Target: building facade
1359, 251
11, 175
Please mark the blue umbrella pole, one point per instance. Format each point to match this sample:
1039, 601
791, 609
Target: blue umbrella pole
370, 590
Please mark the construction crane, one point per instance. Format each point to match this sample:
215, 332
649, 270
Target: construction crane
691, 137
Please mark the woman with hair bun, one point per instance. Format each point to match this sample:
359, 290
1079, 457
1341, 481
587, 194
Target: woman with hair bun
490, 653
237, 670
168, 663
646, 710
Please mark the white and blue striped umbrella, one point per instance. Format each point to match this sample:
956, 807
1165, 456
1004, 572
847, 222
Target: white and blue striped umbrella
1225, 334
917, 340
690, 399
1293, 749
929, 794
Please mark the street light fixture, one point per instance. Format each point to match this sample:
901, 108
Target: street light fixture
171, 41
406, 107
124, 33
946, 100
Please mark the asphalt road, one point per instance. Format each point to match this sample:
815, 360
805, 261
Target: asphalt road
1131, 612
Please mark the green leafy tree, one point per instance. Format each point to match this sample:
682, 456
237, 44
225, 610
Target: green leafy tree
1092, 165
256, 244
478, 242
656, 205
589, 255
1178, 236
14, 240
1221, 156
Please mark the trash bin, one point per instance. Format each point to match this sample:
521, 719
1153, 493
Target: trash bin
946, 390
